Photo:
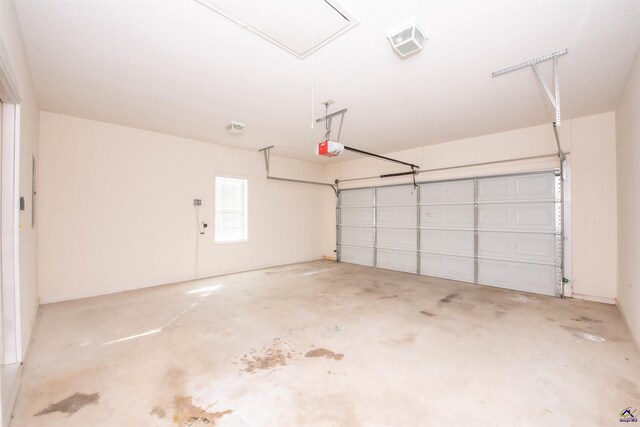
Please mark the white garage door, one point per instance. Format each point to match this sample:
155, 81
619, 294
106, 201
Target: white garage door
447, 224
500, 231
356, 231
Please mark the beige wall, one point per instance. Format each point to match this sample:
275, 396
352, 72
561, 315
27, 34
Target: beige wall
12, 41
591, 141
594, 207
628, 156
116, 209
116, 203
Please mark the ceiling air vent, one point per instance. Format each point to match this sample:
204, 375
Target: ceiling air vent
236, 127
407, 41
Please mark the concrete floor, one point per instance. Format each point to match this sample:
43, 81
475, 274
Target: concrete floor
324, 344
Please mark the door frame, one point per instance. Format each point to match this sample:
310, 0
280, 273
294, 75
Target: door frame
563, 174
10, 235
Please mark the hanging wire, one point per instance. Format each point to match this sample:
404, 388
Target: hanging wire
249, 75
326, 121
312, 80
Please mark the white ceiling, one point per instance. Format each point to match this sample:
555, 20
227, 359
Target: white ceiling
176, 67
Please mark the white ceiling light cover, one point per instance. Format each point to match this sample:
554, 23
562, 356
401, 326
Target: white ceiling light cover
298, 26
407, 41
235, 127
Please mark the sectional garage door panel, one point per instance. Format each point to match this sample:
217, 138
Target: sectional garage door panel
447, 192
501, 231
452, 242
396, 224
517, 188
539, 216
525, 247
535, 278
356, 216
357, 255
447, 229
447, 266
519, 232
394, 196
362, 197
447, 216
358, 236
356, 219
406, 261
397, 216
397, 238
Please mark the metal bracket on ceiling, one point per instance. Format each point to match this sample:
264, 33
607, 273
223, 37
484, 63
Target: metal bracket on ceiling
329, 117
554, 96
267, 158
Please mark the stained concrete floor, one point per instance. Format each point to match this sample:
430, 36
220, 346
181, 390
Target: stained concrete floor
326, 344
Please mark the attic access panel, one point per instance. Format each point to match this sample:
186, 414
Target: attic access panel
298, 26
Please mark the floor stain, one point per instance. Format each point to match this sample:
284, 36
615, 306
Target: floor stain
268, 358
521, 298
323, 352
499, 313
426, 313
582, 334
187, 414
158, 412
586, 319
71, 404
389, 296
449, 298
407, 338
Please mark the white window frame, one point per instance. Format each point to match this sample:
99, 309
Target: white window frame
246, 216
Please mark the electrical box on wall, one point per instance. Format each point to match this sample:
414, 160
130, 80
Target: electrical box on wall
197, 202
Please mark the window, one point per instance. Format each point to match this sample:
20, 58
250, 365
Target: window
230, 210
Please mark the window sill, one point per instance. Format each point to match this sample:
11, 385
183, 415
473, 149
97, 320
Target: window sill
230, 242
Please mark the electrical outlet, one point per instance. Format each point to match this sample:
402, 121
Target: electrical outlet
197, 202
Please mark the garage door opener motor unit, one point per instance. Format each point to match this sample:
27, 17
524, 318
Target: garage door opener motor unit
329, 148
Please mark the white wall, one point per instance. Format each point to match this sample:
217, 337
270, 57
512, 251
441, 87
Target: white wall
591, 141
116, 209
12, 41
628, 157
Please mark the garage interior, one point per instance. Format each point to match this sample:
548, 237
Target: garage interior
319, 212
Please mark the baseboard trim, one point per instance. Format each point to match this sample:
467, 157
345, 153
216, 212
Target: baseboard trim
636, 340
54, 300
27, 343
592, 298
